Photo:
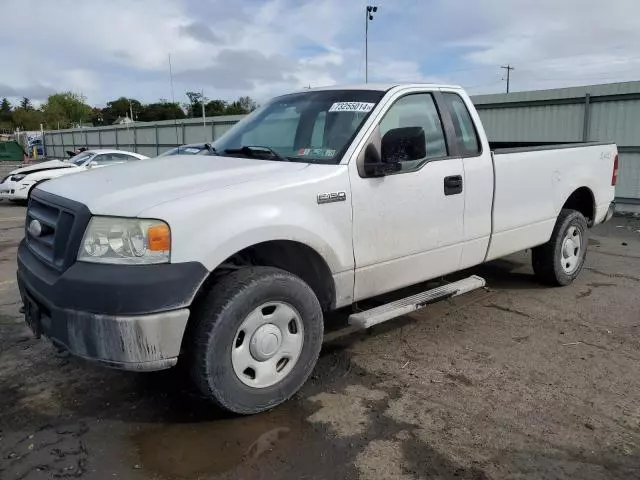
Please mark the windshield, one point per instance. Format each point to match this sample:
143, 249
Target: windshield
313, 127
81, 158
187, 150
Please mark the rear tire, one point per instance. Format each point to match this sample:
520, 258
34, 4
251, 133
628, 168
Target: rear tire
248, 328
559, 261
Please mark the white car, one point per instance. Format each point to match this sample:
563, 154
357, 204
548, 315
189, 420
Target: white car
18, 184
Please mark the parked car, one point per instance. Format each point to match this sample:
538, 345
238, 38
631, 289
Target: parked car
316, 201
190, 149
17, 186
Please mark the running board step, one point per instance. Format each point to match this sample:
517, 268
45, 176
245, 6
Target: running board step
380, 314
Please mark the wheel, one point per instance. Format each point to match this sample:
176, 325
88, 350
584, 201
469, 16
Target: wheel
256, 338
560, 260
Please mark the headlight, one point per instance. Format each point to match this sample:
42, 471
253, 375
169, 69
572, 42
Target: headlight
17, 178
125, 241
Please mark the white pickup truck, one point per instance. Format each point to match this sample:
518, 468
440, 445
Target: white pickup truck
317, 200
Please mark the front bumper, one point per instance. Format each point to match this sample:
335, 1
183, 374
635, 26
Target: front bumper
14, 190
131, 317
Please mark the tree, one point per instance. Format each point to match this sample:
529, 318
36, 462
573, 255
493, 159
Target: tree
121, 107
5, 114
194, 107
241, 106
65, 110
215, 107
5, 107
248, 104
97, 119
27, 119
25, 104
162, 110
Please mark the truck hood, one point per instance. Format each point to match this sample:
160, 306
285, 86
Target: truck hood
128, 189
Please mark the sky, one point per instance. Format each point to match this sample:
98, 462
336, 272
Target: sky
104, 49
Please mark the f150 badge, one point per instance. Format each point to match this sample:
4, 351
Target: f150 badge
331, 197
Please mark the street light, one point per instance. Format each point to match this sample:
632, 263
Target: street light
370, 10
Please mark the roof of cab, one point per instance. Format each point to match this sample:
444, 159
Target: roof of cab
381, 87
113, 150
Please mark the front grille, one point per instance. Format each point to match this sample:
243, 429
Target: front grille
62, 224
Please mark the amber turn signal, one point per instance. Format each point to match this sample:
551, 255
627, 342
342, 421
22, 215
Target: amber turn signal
159, 238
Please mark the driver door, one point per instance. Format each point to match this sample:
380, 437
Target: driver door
408, 225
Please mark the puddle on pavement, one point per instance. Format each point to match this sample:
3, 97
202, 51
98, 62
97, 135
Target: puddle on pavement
209, 448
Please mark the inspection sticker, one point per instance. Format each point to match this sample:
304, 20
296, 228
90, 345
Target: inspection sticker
352, 107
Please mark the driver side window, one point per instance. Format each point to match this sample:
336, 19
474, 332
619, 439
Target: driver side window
417, 110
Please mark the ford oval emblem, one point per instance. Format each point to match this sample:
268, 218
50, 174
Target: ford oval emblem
35, 228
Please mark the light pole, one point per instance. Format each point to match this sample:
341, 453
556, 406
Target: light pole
370, 10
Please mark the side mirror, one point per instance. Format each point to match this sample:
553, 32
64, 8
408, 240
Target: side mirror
403, 144
92, 164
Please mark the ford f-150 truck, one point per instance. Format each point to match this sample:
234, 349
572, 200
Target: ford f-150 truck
317, 200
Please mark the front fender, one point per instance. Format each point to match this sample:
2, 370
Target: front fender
230, 233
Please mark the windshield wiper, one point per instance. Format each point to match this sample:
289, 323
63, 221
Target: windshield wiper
210, 148
252, 150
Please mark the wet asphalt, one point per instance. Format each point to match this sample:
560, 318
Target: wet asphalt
513, 381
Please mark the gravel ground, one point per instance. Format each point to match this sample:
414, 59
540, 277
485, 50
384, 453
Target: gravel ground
514, 381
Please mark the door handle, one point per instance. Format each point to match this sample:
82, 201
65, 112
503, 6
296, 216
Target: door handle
453, 185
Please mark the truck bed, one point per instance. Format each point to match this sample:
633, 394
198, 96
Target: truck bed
532, 183
515, 147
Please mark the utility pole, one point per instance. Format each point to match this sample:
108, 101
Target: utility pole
508, 68
204, 118
173, 99
369, 11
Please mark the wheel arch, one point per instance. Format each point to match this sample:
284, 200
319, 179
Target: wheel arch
582, 200
292, 256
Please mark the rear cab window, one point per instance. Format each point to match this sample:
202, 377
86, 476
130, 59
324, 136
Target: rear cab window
466, 133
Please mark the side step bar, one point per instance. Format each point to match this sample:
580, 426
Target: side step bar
380, 314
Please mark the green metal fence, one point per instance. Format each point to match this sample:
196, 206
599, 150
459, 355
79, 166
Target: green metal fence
146, 138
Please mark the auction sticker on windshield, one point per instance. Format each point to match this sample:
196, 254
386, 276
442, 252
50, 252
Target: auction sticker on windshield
317, 152
351, 107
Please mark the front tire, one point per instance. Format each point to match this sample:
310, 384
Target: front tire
559, 261
256, 338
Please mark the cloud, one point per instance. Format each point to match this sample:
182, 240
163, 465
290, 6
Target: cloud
106, 49
240, 69
199, 31
34, 91
551, 43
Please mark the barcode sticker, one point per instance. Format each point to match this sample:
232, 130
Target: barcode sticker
351, 107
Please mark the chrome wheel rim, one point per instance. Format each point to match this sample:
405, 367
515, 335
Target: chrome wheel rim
267, 345
571, 250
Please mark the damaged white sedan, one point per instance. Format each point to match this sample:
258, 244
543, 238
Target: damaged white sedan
19, 183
